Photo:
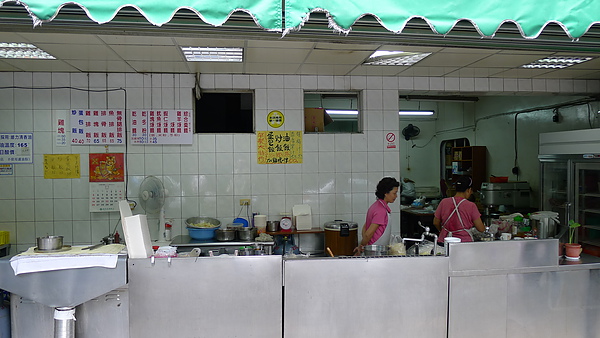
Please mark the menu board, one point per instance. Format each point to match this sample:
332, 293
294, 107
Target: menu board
279, 147
16, 148
91, 126
161, 127
61, 166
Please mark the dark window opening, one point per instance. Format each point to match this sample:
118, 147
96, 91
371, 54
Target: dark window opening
225, 113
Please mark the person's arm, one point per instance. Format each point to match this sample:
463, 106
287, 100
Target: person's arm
479, 225
367, 234
437, 223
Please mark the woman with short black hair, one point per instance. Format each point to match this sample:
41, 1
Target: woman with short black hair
376, 224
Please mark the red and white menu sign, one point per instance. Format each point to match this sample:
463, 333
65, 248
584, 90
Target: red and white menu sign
161, 127
95, 126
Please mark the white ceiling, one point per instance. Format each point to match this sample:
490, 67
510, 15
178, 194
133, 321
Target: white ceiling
315, 49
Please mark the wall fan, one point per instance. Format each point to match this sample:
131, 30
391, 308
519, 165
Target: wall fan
152, 199
410, 131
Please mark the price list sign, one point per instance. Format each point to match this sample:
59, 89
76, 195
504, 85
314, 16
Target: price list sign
89, 126
161, 127
16, 148
279, 147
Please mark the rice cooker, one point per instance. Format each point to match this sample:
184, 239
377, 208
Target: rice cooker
341, 237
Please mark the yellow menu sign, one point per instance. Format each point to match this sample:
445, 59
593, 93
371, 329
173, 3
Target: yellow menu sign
279, 147
61, 166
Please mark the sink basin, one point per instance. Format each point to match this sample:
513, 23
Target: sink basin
63, 288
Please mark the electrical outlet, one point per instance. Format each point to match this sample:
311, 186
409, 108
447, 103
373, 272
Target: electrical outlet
245, 201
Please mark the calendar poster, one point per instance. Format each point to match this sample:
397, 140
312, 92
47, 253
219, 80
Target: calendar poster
105, 167
97, 126
161, 127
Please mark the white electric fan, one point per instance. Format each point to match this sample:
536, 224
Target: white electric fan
152, 198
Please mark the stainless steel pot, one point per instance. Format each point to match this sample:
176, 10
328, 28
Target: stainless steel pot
50, 243
247, 234
225, 235
375, 250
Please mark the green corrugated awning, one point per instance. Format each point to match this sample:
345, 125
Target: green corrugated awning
531, 16
266, 13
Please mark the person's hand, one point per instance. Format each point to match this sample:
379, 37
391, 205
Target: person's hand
358, 250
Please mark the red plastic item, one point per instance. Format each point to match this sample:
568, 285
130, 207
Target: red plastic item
498, 179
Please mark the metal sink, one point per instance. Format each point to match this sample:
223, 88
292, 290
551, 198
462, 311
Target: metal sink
63, 288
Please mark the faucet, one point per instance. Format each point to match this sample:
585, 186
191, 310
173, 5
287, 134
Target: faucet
423, 235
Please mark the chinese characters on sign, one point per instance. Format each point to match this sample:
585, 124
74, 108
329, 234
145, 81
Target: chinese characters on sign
61, 166
16, 148
60, 130
90, 126
279, 147
161, 127
107, 167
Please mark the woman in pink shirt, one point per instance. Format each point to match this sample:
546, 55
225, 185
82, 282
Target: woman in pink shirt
455, 215
377, 216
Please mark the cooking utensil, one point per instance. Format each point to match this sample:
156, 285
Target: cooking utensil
225, 235
375, 250
49, 243
341, 237
92, 247
329, 252
247, 234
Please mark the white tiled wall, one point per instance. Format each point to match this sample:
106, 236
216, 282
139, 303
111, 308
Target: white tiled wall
209, 177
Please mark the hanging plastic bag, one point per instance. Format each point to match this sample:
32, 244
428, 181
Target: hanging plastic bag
397, 248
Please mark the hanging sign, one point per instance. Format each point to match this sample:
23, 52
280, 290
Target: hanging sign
161, 127
16, 148
91, 126
105, 167
390, 140
275, 119
279, 147
60, 128
61, 166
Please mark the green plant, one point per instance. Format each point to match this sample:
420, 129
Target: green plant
572, 228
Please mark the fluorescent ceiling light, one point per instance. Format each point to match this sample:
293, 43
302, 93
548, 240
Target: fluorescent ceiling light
557, 62
214, 54
416, 112
14, 50
341, 112
394, 58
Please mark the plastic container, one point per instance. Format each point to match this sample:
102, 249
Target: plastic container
202, 233
168, 231
499, 179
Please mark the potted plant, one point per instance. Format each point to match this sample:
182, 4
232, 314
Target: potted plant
572, 249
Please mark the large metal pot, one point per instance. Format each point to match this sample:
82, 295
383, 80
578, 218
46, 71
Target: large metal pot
545, 222
375, 250
247, 234
341, 237
225, 235
47, 243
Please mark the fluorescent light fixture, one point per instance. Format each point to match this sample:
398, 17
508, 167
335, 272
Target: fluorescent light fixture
16, 50
557, 62
213, 54
394, 58
416, 112
341, 112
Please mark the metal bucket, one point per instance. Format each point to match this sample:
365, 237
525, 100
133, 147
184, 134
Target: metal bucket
545, 222
375, 250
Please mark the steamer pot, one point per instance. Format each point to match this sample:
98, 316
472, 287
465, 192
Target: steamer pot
47, 243
341, 237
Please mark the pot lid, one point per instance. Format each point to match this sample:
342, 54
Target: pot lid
338, 222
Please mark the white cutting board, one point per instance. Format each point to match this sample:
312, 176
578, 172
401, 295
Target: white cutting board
137, 236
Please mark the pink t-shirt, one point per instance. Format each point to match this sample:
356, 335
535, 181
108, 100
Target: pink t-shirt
377, 214
468, 213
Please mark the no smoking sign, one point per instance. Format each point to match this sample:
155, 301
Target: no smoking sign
390, 140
